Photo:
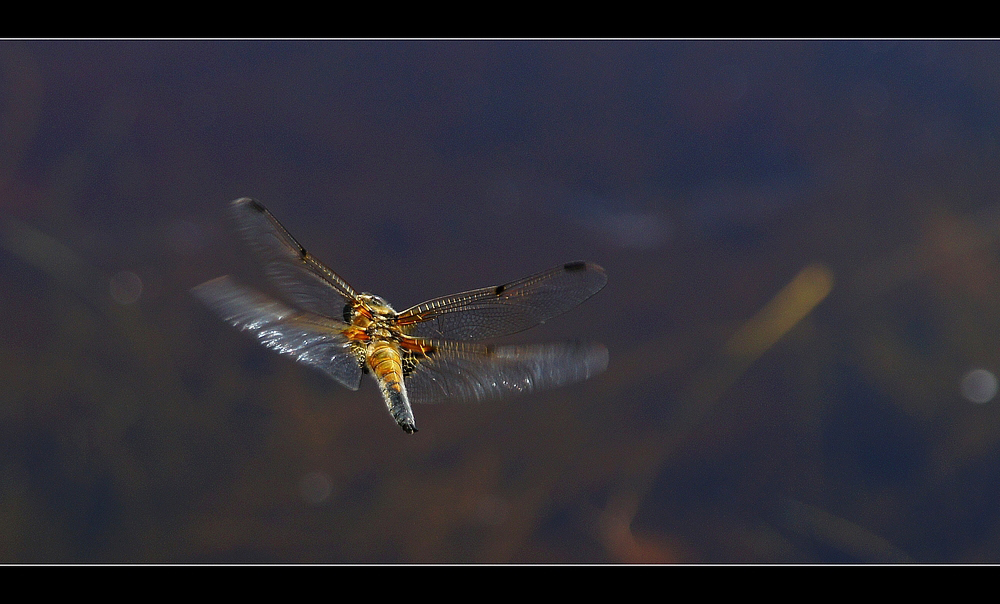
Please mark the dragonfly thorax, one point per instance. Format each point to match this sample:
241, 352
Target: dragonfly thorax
377, 305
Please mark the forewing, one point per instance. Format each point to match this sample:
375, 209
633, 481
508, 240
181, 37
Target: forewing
305, 280
492, 312
462, 371
311, 340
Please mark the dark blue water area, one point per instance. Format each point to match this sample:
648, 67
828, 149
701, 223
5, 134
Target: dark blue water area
704, 176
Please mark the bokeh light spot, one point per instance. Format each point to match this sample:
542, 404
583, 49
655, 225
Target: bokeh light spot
315, 487
979, 386
126, 287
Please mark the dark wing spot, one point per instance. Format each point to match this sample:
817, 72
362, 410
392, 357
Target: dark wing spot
409, 362
256, 205
500, 289
575, 266
412, 359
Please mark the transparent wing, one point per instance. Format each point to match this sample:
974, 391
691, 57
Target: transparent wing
462, 371
492, 312
310, 339
305, 280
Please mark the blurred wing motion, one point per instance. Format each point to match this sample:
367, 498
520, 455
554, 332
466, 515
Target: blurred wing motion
501, 310
304, 279
418, 354
312, 340
462, 371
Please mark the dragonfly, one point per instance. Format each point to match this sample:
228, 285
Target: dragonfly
428, 353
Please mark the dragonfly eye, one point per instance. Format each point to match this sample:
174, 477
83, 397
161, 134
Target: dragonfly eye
348, 314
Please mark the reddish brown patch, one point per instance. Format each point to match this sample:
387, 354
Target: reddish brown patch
413, 345
356, 334
410, 320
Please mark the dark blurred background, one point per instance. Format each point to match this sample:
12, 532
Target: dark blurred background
803, 248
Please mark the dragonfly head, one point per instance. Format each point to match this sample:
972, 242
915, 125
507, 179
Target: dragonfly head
377, 305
